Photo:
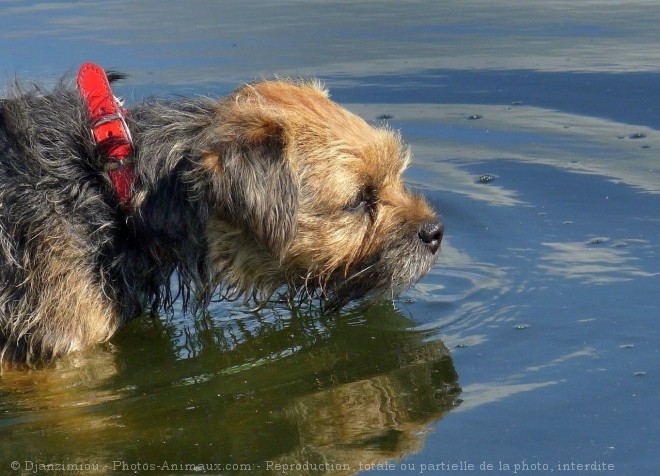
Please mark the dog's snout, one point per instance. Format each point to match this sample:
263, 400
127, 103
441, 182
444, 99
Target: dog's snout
431, 234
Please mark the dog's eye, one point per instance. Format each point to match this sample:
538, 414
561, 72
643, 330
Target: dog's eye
365, 201
356, 206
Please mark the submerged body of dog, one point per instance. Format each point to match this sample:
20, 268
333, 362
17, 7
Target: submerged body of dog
275, 187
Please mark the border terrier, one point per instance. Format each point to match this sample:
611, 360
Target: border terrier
273, 190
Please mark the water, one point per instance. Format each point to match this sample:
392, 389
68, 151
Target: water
532, 345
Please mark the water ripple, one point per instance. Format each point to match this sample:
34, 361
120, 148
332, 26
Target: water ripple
454, 302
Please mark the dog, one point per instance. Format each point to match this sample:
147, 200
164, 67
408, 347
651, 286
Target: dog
273, 190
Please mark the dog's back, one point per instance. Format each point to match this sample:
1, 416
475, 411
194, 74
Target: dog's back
54, 229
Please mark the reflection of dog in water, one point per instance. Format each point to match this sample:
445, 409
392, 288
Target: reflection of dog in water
273, 188
292, 390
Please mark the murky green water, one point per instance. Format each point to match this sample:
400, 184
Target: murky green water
532, 346
251, 390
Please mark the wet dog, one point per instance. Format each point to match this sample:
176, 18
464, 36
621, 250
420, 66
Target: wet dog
274, 189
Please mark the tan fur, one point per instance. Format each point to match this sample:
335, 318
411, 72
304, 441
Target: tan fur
333, 155
68, 310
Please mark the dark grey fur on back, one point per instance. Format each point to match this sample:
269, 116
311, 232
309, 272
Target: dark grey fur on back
51, 178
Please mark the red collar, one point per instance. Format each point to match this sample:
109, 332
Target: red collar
109, 129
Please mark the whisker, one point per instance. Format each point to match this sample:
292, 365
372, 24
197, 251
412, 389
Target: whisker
358, 273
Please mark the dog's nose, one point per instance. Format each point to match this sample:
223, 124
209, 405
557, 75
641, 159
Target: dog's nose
431, 234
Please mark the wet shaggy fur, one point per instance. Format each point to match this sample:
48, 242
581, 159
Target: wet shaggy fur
274, 189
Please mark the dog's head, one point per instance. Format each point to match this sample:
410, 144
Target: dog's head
309, 196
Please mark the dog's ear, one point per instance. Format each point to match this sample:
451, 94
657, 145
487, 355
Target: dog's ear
258, 189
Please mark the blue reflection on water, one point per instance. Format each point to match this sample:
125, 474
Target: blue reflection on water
622, 97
